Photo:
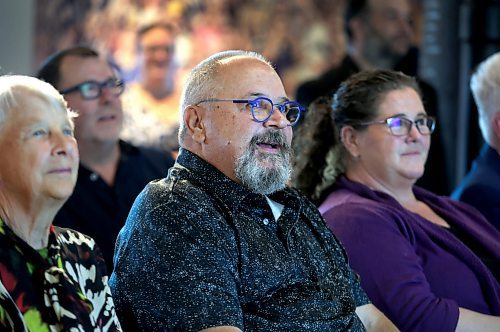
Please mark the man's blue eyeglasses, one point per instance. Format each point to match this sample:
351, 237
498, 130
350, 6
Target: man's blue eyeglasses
262, 108
93, 89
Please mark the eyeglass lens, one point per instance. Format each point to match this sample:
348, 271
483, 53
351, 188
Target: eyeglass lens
92, 90
402, 126
262, 110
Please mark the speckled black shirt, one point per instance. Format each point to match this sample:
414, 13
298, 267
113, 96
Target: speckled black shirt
199, 250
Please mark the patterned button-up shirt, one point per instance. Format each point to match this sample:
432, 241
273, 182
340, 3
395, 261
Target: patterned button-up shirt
199, 250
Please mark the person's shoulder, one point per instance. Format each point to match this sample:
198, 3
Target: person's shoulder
346, 200
71, 236
174, 196
153, 155
344, 209
78, 248
480, 183
477, 192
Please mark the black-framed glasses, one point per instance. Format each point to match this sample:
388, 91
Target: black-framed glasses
152, 49
93, 89
262, 108
401, 126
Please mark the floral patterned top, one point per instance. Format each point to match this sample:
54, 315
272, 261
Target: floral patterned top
59, 288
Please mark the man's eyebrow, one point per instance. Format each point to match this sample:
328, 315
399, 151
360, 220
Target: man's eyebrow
256, 94
259, 94
283, 99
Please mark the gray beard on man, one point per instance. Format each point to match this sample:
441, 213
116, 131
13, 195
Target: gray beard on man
258, 178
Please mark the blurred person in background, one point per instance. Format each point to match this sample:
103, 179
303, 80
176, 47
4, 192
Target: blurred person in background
151, 101
380, 36
481, 186
51, 278
112, 171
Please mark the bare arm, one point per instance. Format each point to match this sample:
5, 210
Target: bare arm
473, 321
222, 329
374, 320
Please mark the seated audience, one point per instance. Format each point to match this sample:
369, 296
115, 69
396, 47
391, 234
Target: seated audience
112, 172
481, 186
51, 278
428, 262
222, 244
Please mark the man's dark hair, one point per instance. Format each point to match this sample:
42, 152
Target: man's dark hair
353, 9
50, 68
161, 25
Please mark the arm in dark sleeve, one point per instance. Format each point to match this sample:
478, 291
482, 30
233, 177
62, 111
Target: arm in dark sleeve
487, 205
176, 270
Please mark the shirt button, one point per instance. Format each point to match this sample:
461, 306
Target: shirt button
265, 221
94, 177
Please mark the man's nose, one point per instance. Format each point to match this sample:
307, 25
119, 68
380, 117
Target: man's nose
107, 93
277, 120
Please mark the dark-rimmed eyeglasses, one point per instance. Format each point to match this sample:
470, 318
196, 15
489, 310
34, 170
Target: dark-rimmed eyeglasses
401, 126
93, 89
262, 108
152, 49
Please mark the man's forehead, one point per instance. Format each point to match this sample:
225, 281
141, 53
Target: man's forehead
156, 34
78, 69
251, 78
389, 4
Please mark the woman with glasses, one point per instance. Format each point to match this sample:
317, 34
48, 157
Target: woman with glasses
429, 263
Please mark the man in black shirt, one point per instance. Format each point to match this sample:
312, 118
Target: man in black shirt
222, 244
112, 172
380, 37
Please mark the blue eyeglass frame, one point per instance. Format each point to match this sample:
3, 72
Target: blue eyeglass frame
412, 122
109, 83
254, 102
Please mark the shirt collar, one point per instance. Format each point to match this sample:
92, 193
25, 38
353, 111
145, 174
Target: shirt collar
213, 180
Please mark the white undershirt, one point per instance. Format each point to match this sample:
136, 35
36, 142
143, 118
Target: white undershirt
276, 208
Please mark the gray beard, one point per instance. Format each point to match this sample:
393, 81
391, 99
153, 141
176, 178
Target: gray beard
258, 178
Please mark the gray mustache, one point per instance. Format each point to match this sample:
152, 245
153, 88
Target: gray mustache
275, 137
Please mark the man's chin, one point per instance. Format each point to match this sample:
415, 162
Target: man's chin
269, 161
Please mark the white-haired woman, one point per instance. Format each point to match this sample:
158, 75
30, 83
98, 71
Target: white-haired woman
50, 278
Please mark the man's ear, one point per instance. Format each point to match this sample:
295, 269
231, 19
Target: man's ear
350, 138
193, 119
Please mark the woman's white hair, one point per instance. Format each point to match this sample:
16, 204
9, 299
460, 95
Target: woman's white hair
202, 81
14, 88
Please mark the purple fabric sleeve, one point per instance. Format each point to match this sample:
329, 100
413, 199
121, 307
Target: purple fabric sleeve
381, 249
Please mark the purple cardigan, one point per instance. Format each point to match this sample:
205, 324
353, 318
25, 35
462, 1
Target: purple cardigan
416, 272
